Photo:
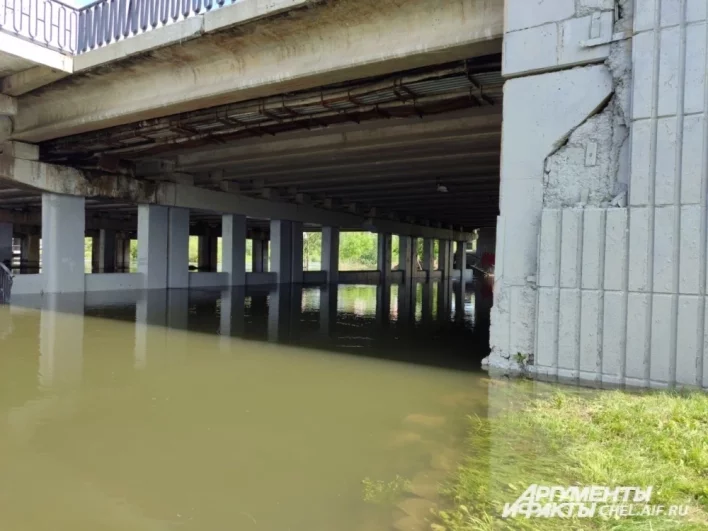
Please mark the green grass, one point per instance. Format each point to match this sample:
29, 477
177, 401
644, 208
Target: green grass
572, 438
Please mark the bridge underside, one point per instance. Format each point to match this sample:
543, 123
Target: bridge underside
421, 146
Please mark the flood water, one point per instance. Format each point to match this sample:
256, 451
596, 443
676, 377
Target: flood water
232, 410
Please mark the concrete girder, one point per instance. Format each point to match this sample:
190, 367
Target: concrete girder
248, 63
475, 125
69, 181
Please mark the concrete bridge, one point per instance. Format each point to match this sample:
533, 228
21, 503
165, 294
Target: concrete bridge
569, 135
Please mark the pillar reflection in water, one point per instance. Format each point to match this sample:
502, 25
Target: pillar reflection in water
279, 313
459, 290
444, 299
150, 323
232, 318
61, 340
427, 302
328, 309
383, 304
406, 302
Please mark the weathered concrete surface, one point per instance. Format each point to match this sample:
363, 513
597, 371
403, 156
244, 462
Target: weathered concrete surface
619, 296
578, 120
331, 42
69, 181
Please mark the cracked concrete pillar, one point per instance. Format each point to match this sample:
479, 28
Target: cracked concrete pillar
562, 145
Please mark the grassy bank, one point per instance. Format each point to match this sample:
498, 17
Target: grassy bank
566, 438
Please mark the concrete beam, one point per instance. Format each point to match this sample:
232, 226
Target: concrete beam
320, 49
70, 181
475, 125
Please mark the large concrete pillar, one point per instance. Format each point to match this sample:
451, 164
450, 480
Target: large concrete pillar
123, 253
208, 252
428, 249
63, 226
233, 248
259, 257
296, 252
106, 251
281, 240
330, 253
383, 255
444, 262
153, 237
565, 143
178, 248
6, 243
461, 259
30, 253
407, 257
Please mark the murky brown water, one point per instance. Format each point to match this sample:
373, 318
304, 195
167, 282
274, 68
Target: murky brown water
209, 410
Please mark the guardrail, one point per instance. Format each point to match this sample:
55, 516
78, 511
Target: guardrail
66, 29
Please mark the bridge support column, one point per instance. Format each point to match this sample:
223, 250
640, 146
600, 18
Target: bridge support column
63, 227
153, 224
444, 262
6, 243
296, 252
259, 256
407, 257
178, 249
428, 250
107, 251
233, 248
462, 259
30, 253
330, 253
208, 251
281, 239
123, 258
383, 256
560, 293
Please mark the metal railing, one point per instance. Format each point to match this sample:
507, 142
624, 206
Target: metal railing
74, 31
46, 22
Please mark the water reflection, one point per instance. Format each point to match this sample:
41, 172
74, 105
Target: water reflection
235, 409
